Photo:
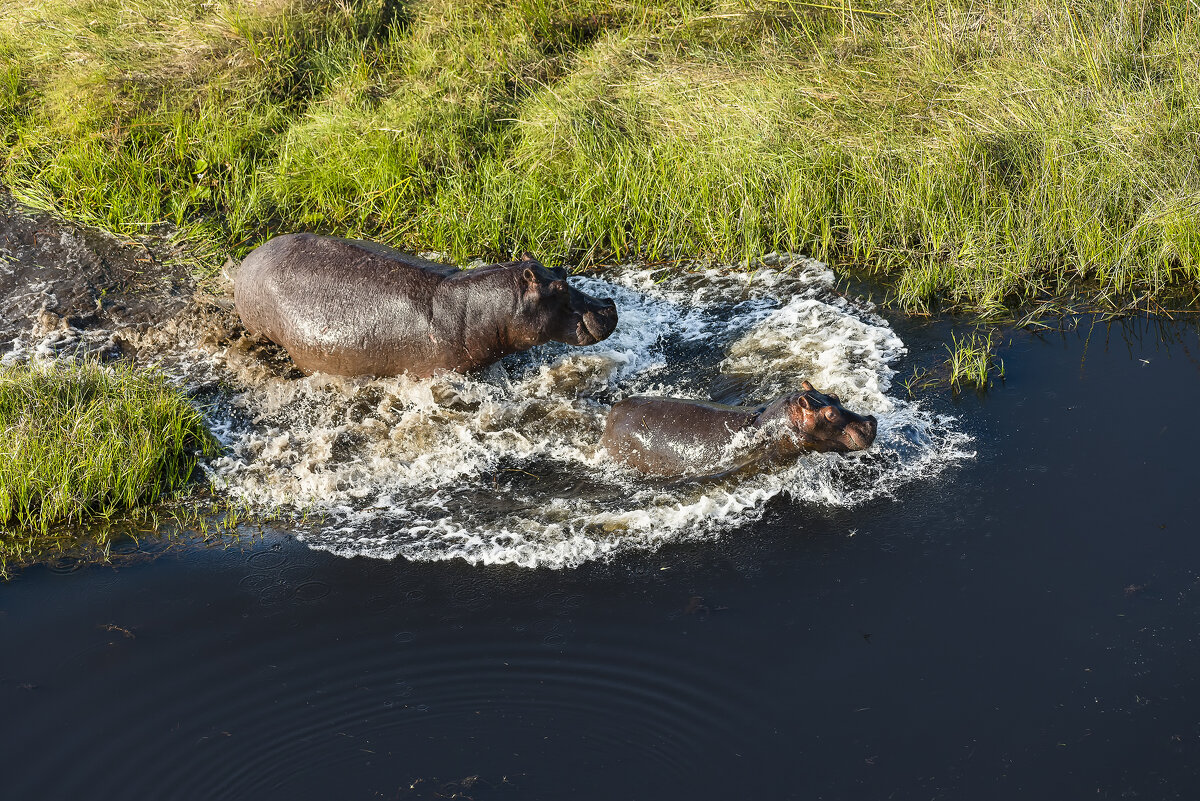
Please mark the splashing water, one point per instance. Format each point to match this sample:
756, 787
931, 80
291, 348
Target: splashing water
505, 466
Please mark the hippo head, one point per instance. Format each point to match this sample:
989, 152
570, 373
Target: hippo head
550, 309
819, 422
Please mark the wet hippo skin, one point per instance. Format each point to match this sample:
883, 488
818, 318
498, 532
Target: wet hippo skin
676, 437
350, 307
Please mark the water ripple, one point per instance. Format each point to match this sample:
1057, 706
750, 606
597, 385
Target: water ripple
316, 709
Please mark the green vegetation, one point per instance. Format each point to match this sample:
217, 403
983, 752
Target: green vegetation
977, 151
81, 442
972, 361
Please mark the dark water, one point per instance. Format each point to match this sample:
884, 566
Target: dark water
1027, 625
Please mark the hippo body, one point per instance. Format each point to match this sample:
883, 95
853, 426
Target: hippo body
350, 307
677, 437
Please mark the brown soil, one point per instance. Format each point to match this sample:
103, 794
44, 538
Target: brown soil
54, 275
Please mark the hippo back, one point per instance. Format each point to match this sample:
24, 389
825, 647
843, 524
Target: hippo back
673, 436
345, 306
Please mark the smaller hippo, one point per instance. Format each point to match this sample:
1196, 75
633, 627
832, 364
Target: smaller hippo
676, 437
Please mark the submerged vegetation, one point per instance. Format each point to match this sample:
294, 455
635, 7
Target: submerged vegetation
81, 442
977, 151
973, 361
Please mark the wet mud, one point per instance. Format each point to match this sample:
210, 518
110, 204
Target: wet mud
72, 288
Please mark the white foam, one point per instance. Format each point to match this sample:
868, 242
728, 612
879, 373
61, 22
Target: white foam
505, 467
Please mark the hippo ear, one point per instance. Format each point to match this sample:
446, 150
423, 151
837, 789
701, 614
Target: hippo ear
529, 278
806, 402
527, 256
834, 397
807, 386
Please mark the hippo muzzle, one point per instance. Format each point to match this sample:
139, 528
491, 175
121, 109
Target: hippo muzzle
595, 319
862, 433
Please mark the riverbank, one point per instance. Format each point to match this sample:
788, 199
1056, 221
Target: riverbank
93, 437
974, 153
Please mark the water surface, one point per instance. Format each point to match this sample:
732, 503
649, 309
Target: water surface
1021, 624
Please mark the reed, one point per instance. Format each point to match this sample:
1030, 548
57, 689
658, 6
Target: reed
973, 361
975, 152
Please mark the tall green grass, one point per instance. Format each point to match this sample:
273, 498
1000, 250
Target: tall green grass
80, 441
976, 151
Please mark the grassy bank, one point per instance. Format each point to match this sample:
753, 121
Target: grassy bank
80, 442
975, 150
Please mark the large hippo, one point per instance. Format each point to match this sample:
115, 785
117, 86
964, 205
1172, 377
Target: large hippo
350, 307
675, 437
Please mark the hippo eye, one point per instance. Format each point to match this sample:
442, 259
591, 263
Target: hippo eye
830, 413
558, 286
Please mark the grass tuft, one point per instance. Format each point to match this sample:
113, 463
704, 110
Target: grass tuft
973, 361
81, 442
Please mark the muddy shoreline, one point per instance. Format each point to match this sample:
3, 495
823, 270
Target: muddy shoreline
56, 276
72, 291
